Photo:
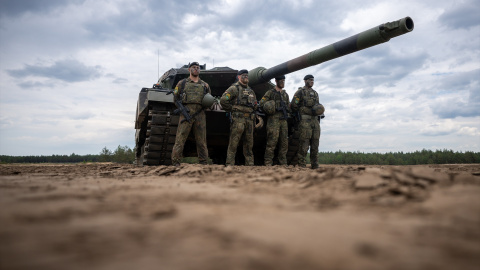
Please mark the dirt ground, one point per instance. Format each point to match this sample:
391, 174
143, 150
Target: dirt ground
109, 216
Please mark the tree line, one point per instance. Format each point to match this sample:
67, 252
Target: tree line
123, 154
399, 158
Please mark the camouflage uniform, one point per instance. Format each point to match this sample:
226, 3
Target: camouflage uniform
191, 97
277, 128
240, 100
309, 127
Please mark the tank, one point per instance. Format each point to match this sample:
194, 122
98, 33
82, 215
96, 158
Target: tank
156, 124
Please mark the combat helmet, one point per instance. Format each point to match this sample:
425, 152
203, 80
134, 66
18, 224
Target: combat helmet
318, 109
208, 100
269, 107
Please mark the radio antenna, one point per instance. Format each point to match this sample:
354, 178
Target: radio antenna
158, 62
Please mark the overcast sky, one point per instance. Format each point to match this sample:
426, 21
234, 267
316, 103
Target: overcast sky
71, 71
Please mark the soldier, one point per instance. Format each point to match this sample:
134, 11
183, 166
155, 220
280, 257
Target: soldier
275, 103
190, 92
239, 99
306, 103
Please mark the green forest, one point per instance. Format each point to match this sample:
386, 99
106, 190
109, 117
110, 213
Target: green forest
123, 154
399, 158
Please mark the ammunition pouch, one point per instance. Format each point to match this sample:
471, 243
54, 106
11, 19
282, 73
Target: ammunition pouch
306, 110
308, 117
309, 102
193, 94
243, 109
244, 98
246, 101
250, 116
278, 114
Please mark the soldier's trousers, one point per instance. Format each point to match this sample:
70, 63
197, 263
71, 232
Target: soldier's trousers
309, 137
241, 128
199, 126
277, 132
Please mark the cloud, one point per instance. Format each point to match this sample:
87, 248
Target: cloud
376, 99
376, 66
337, 106
35, 85
451, 102
64, 70
82, 116
15, 8
469, 131
142, 20
119, 80
438, 129
462, 15
460, 81
369, 93
452, 108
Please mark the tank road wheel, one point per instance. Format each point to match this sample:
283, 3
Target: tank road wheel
160, 137
293, 147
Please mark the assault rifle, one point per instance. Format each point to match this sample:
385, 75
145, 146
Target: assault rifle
282, 108
181, 109
297, 117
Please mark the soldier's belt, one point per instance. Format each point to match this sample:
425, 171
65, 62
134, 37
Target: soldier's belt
243, 115
308, 117
277, 115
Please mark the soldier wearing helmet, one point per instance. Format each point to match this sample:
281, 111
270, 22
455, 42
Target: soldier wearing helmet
275, 103
192, 92
240, 100
306, 103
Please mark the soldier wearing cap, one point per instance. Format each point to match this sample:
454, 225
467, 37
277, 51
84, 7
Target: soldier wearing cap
240, 100
190, 92
275, 103
306, 103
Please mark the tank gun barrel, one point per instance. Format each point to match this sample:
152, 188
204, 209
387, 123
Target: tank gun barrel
363, 40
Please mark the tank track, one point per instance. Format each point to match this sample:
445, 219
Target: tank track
160, 135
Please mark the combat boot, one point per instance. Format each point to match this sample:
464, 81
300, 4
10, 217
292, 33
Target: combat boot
314, 166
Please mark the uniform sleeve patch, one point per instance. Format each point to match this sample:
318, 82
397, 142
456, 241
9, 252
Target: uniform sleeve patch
227, 96
297, 100
176, 90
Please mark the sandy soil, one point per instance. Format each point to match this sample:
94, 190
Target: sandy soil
109, 216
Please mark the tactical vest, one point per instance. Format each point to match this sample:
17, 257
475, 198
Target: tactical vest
192, 93
310, 99
245, 97
278, 96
